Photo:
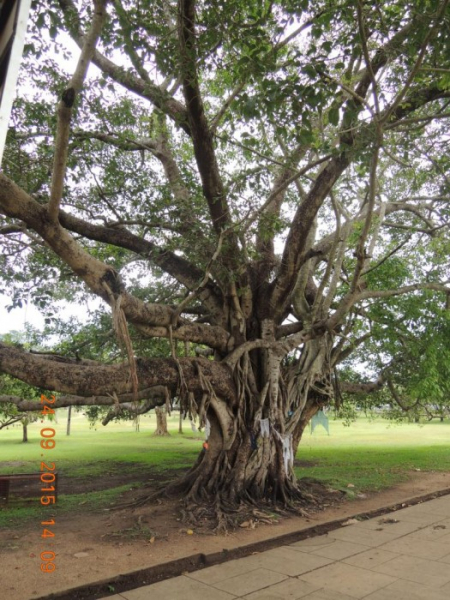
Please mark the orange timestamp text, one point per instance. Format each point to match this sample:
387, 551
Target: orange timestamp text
48, 485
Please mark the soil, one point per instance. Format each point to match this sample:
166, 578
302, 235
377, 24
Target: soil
96, 549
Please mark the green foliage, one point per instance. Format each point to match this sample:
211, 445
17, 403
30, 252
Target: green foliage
288, 73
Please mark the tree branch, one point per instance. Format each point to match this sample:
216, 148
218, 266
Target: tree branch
14, 202
65, 107
205, 156
437, 287
157, 95
178, 267
86, 381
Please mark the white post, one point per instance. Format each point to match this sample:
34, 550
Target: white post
14, 28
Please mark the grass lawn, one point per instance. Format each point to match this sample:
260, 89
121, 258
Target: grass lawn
86, 450
373, 454
369, 455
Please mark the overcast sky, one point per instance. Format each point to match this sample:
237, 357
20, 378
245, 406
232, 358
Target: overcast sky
17, 318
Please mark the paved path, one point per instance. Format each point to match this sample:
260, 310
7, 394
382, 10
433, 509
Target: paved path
404, 555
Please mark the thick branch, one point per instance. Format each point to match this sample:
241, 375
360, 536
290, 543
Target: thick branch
298, 233
361, 388
132, 407
14, 202
272, 207
178, 267
307, 211
213, 189
87, 381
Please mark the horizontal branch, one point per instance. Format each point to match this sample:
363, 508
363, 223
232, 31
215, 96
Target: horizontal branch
352, 298
437, 287
82, 382
361, 388
209, 335
134, 408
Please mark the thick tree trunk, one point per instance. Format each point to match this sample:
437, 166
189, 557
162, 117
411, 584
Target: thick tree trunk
249, 455
257, 470
161, 421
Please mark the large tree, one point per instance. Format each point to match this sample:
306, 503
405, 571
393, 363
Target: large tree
264, 181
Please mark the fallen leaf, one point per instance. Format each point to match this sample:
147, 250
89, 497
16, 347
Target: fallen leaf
388, 521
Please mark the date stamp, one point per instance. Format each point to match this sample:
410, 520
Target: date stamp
48, 485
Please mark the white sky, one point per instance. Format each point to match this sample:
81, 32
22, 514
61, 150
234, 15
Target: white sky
18, 317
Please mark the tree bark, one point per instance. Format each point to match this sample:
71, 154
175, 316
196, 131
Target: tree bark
161, 421
249, 456
69, 419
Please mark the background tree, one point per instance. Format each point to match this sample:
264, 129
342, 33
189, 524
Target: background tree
12, 388
259, 179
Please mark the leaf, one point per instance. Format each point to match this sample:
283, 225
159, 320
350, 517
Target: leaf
333, 116
245, 524
310, 71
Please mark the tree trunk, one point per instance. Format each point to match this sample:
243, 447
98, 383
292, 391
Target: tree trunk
69, 419
24, 431
249, 455
161, 421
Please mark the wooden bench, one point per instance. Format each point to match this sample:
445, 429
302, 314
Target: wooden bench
5, 482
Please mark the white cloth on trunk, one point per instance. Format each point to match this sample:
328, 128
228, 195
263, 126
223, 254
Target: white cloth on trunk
265, 428
207, 429
288, 452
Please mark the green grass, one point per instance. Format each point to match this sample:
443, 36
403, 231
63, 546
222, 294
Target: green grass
372, 455
368, 455
89, 451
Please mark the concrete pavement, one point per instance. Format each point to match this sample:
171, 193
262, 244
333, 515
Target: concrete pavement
404, 555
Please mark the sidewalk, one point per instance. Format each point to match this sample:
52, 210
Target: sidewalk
404, 555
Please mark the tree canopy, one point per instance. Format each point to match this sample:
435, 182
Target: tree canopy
263, 185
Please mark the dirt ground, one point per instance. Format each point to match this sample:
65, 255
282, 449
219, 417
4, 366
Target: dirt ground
97, 546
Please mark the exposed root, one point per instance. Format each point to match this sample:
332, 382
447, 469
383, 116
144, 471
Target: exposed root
219, 513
